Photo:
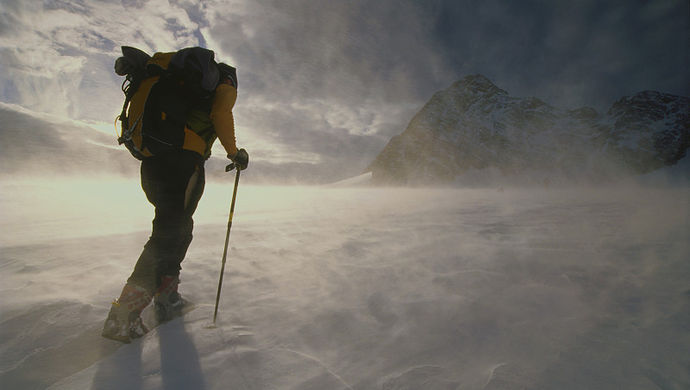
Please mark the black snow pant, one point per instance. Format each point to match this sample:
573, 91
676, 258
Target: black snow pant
173, 184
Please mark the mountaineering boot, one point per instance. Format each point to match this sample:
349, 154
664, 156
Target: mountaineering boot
124, 320
168, 302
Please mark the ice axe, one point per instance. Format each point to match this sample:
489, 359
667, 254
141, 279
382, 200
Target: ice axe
228, 168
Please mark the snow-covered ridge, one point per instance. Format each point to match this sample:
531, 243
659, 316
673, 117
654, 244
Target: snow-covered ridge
475, 125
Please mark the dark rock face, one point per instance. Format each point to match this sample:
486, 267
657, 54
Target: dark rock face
654, 129
474, 125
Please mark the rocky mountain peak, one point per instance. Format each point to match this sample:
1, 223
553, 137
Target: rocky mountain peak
477, 84
584, 113
649, 104
474, 127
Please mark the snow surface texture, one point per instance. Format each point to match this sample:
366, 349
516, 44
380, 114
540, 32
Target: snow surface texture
356, 288
474, 133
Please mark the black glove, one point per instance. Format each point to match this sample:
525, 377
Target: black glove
241, 159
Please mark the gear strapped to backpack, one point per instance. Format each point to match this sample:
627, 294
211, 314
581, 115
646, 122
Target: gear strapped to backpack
159, 93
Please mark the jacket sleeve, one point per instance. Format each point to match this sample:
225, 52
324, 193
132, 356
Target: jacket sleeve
221, 116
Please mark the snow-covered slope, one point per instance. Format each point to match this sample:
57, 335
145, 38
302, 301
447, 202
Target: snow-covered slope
34, 144
365, 288
359, 180
474, 125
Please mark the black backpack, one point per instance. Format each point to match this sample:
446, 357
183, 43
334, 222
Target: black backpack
160, 91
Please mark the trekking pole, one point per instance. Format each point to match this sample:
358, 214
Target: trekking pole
228, 168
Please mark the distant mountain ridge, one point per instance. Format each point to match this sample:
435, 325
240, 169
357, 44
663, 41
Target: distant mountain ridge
475, 126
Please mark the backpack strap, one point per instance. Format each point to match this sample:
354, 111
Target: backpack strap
132, 64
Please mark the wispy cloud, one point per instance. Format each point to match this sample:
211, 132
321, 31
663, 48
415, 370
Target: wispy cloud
58, 54
330, 82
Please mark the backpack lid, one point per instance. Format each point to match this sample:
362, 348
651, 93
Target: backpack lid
136, 58
200, 62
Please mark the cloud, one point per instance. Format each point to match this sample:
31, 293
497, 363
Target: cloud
328, 83
58, 55
570, 53
343, 51
334, 79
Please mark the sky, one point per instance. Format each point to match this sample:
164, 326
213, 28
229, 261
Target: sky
323, 85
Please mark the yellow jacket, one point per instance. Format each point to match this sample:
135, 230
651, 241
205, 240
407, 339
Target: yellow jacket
221, 116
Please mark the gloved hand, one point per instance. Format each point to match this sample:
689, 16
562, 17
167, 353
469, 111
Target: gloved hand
241, 159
